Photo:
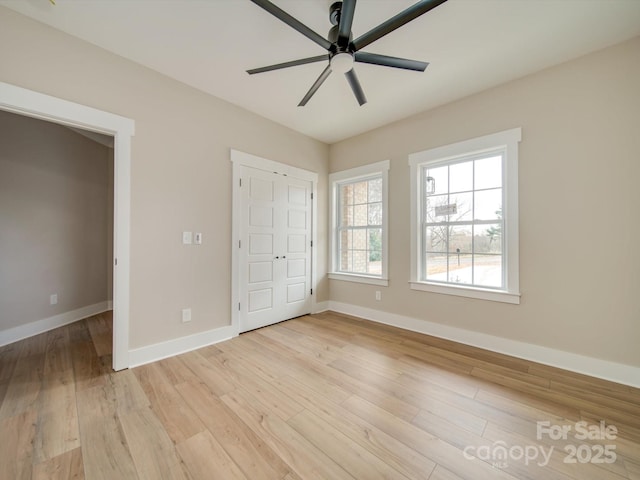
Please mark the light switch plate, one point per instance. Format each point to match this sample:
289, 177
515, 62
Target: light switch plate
186, 315
187, 238
197, 238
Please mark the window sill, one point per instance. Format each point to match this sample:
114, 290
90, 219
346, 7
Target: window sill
350, 277
479, 293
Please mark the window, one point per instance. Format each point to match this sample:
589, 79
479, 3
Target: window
465, 218
359, 233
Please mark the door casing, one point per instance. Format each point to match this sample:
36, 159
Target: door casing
52, 109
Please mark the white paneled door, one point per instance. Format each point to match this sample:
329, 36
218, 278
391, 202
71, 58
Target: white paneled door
275, 248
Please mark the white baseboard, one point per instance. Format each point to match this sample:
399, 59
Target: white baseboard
594, 367
21, 332
170, 348
320, 307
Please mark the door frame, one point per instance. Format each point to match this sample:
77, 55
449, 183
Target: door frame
52, 109
240, 159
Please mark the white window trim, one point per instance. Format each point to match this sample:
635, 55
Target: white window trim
353, 174
506, 139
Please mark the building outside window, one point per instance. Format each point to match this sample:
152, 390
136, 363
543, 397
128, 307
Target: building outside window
359, 237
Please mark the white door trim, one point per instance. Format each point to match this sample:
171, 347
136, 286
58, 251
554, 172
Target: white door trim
45, 107
239, 159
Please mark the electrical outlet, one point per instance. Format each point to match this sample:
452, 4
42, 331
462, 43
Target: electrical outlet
197, 238
378, 295
53, 299
186, 315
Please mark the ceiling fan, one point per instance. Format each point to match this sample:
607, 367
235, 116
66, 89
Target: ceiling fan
342, 51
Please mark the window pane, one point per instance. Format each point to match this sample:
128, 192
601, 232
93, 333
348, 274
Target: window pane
441, 177
488, 270
460, 239
374, 238
436, 267
360, 215
359, 261
359, 239
488, 238
345, 260
360, 192
375, 214
432, 202
460, 268
488, 204
375, 190
349, 255
488, 173
463, 206
345, 241
436, 239
374, 247
461, 177
375, 266
346, 216
346, 194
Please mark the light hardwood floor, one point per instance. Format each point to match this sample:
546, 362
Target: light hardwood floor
318, 397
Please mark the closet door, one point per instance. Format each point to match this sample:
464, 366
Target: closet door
295, 260
275, 248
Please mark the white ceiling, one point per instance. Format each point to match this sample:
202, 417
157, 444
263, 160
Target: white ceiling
471, 45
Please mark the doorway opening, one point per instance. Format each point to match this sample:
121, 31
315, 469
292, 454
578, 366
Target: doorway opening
44, 107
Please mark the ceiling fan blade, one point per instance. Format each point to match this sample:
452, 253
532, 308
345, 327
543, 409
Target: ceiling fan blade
386, 61
293, 23
346, 20
316, 85
404, 17
293, 63
355, 86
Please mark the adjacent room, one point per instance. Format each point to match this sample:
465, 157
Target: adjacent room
315, 239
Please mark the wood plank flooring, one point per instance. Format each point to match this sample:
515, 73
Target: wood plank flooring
319, 397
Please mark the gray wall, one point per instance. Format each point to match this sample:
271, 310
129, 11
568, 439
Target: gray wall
54, 220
